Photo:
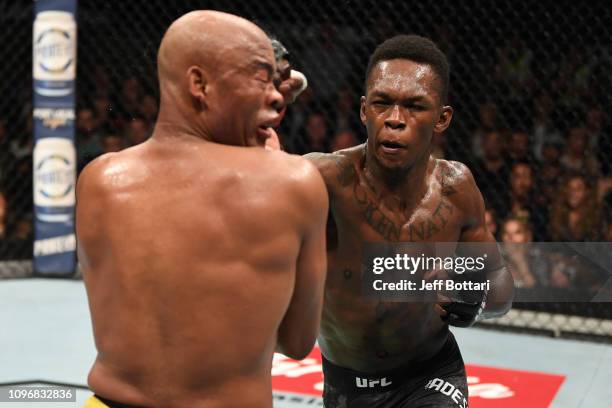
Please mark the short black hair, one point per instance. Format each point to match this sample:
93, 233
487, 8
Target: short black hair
414, 48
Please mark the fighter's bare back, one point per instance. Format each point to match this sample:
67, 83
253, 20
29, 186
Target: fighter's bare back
376, 336
189, 255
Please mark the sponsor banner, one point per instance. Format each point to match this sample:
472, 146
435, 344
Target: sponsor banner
54, 248
55, 245
54, 201
488, 386
464, 271
51, 120
54, 53
54, 176
503, 388
54, 71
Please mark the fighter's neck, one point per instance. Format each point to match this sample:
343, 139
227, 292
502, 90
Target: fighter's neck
164, 128
405, 186
174, 122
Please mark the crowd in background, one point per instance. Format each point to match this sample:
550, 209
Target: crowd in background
538, 142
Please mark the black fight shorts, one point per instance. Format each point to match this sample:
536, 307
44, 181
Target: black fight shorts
439, 382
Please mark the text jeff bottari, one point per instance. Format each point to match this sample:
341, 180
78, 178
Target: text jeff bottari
438, 284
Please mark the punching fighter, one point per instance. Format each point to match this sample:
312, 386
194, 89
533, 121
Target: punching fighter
390, 189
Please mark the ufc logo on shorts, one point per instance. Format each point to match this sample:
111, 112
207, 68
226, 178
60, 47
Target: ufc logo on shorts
449, 390
365, 383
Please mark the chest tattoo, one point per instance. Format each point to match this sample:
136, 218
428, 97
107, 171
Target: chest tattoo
421, 229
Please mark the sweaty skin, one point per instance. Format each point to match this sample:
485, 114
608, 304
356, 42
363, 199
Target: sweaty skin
391, 189
201, 257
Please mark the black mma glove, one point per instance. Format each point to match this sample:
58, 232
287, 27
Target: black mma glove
461, 313
289, 82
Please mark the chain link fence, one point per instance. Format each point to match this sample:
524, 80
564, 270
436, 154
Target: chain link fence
16, 139
530, 86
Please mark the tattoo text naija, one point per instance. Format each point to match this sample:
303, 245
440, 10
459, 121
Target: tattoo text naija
383, 225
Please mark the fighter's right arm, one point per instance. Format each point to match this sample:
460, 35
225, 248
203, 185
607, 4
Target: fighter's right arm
300, 326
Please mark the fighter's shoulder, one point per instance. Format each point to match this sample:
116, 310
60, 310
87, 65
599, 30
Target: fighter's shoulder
106, 171
458, 184
333, 165
300, 178
93, 174
454, 174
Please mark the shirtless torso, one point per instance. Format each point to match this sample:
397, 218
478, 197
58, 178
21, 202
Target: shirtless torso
375, 336
189, 258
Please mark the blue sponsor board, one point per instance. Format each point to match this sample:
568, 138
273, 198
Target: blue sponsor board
54, 73
54, 248
54, 119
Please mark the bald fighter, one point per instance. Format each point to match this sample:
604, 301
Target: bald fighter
202, 251
390, 189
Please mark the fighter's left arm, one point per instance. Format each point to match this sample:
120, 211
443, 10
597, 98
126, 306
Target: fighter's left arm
498, 298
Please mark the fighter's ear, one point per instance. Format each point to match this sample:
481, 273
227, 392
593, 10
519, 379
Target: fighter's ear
197, 82
444, 120
362, 114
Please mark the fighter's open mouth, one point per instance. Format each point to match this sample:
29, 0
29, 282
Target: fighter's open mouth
392, 145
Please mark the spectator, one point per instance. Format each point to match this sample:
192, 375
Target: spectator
148, 109
111, 143
137, 131
522, 202
576, 157
22, 237
491, 222
21, 145
525, 267
550, 171
315, 136
576, 215
18, 191
346, 113
604, 193
131, 96
543, 130
529, 264
488, 122
518, 148
23, 228
87, 137
571, 81
103, 113
513, 68
101, 81
594, 127
599, 141
343, 140
492, 172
